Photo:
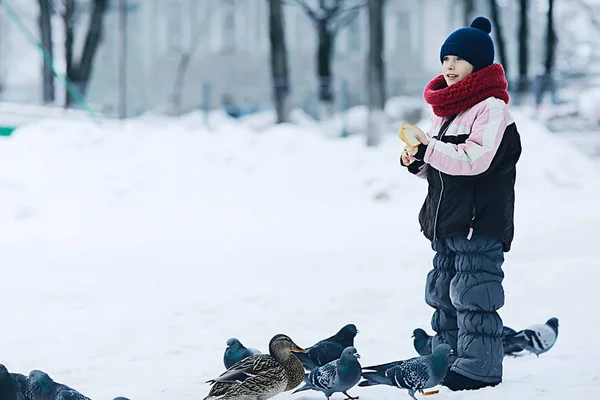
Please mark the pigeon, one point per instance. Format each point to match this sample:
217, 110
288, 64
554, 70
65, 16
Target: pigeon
329, 349
44, 388
422, 342
120, 398
236, 351
336, 376
536, 339
414, 374
13, 386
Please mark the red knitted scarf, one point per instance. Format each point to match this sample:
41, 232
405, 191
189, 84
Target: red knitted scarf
450, 100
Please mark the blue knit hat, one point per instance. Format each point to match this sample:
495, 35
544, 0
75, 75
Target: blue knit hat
474, 44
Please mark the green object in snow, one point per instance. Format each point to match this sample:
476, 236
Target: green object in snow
7, 130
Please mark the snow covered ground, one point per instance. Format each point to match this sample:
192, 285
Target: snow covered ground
130, 253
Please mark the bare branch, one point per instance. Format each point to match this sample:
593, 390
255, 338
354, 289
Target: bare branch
307, 9
346, 17
354, 8
338, 10
333, 11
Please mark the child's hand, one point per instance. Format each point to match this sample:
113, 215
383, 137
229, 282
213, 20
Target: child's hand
422, 139
407, 156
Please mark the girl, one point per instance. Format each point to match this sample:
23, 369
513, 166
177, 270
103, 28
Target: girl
469, 160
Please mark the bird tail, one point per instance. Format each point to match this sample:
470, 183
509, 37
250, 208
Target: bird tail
306, 361
515, 343
375, 378
303, 388
507, 331
382, 367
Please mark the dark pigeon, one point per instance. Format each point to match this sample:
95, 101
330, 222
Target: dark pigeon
44, 388
13, 386
422, 342
329, 349
415, 374
337, 376
236, 351
536, 339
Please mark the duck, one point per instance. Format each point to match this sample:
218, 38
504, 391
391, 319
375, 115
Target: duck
261, 376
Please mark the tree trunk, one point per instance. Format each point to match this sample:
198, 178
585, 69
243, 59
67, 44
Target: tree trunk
279, 64
550, 39
375, 68
82, 72
45, 25
69, 22
498, 33
324, 53
176, 100
523, 47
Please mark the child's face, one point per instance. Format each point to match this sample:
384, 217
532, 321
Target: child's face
455, 69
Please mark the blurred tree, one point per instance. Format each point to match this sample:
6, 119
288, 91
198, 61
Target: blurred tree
79, 73
68, 16
200, 28
498, 33
376, 74
45, 24
550, 39
328, 17
279, 63
523, 47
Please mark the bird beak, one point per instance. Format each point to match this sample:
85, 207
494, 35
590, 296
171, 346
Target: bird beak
412, 336
357, 355
297, 349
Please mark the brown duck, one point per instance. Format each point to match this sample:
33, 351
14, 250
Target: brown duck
261, 376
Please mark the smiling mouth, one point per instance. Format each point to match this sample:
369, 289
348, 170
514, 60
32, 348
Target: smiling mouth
451, 76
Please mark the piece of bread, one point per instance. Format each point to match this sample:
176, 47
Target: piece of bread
408, 134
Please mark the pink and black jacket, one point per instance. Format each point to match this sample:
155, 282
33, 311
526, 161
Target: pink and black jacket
470, 166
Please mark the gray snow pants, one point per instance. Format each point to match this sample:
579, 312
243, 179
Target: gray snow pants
465, 288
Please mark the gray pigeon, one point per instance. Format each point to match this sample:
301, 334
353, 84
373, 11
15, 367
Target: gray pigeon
329, 349
13, 386
422, 342
414, 374
236, 351
44, 388
336, 376
536, 339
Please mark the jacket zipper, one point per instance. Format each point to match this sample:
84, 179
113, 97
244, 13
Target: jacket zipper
470, 234
437, 211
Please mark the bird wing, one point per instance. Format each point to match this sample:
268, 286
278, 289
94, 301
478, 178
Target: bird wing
324, 377
383, 367
508, 331
24, 389
413, 374
66, 393
246, 368
324, 352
